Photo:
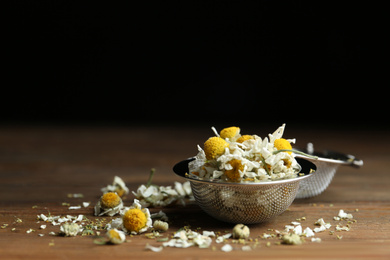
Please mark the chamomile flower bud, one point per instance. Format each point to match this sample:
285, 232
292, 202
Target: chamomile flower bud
214, 147
243, 138
109, 204
230, 132
160, 225
240, 231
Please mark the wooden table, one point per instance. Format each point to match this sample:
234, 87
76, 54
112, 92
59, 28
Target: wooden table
41, 165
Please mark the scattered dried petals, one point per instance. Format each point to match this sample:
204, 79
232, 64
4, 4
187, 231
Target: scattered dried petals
246, 248
154, 248
323, 226
30, 230
344, 215
342, 228
75, 195
227, 248
69, 230
291, 239
308, 232
220, 239
74, 207
209, 233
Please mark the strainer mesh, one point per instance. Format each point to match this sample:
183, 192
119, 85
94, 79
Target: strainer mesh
317, 183
245, 204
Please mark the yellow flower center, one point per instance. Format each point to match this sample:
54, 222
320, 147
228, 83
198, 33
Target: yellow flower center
234, 173
282, 144
114, 234
214, 147
243, 138
134, 220
229, 132
110, 200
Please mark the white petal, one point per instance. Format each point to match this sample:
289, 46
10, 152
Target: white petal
343, 214
179, 189
308, 232
74, 207
227, 248
316, 239
154, 248
187, 188
208, 233
298, 230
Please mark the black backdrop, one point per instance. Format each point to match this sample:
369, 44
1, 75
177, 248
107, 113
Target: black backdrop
312, 62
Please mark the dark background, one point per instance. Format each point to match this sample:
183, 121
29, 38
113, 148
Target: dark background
171, 62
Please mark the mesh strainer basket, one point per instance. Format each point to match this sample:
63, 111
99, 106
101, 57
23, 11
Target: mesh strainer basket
327, 164
246, 203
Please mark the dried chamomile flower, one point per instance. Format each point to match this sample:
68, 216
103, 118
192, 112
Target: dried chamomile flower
282, 144
134, 220
116, 236
234, 173
214, 147
109, 204
117, 186
70, 229
240, 231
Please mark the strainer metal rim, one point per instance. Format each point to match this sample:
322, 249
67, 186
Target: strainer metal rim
308, 171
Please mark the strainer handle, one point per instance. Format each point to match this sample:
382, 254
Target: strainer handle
345, 159
354, 162
337, 158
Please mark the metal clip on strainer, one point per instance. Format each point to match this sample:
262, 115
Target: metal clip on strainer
327, 164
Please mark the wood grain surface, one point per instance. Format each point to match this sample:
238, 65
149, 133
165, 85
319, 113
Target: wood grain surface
41, 165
